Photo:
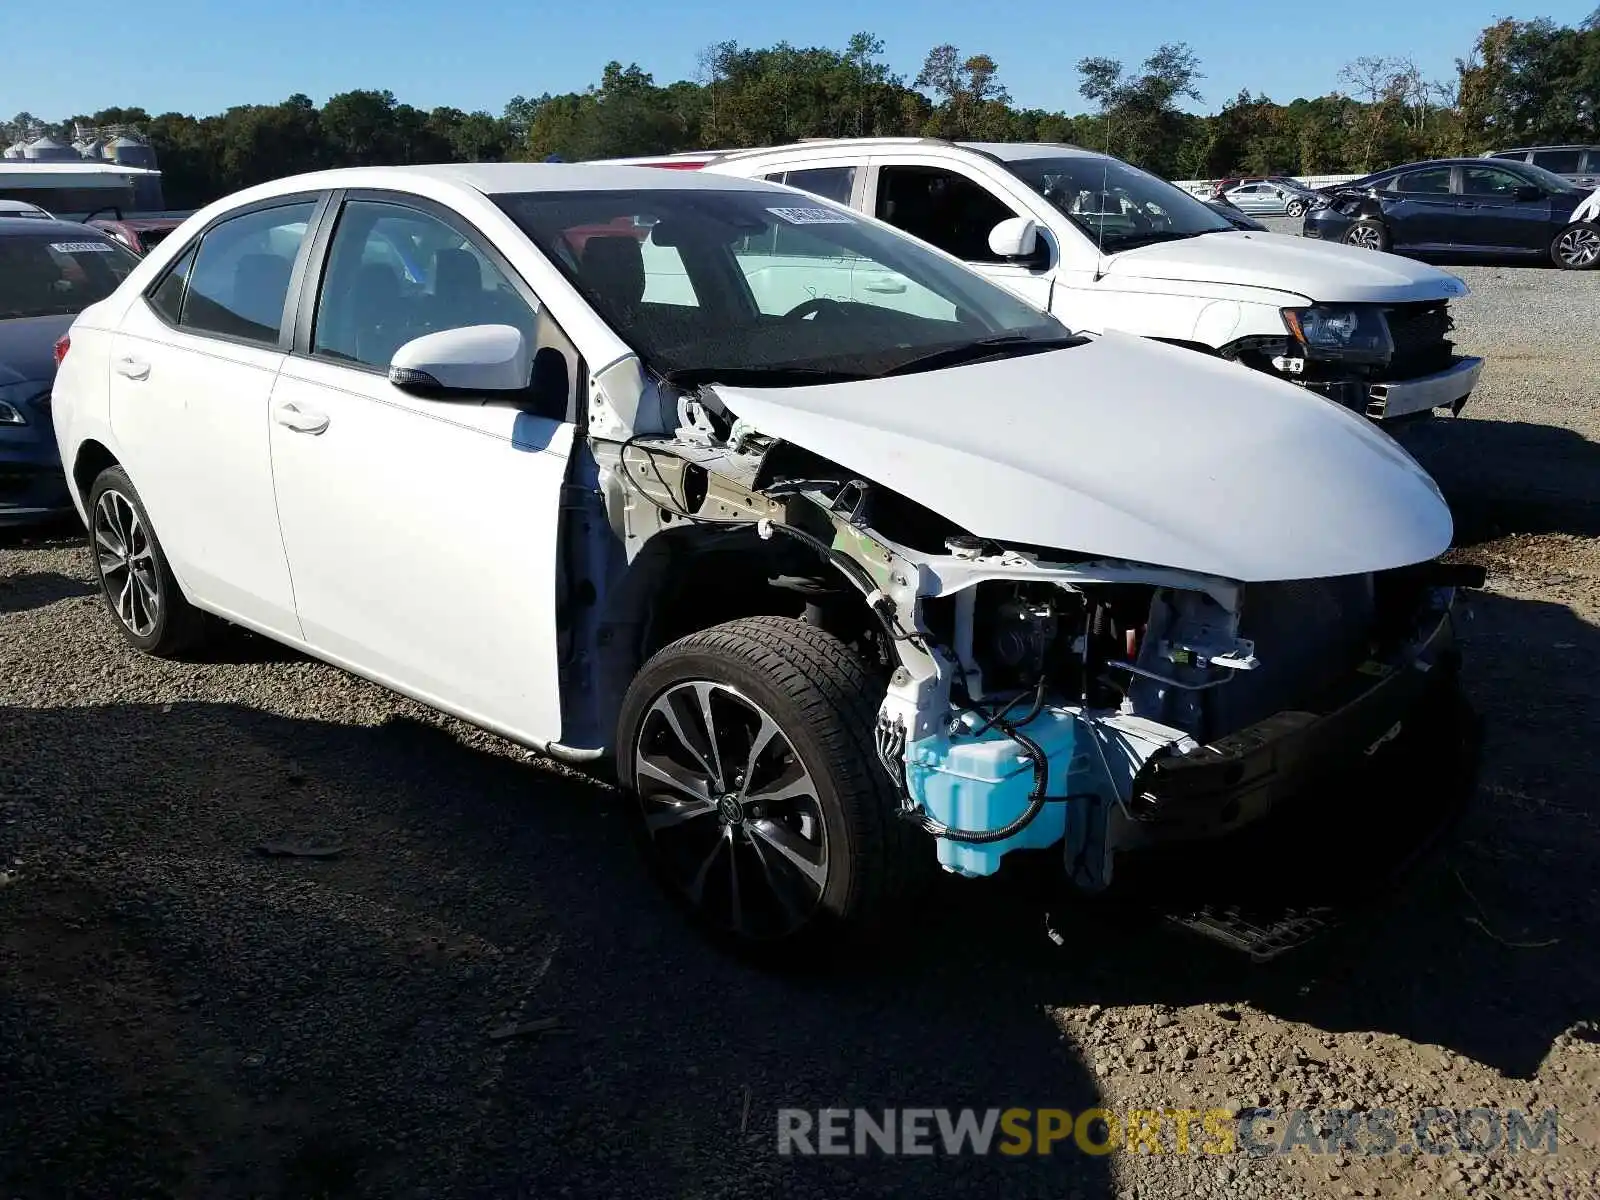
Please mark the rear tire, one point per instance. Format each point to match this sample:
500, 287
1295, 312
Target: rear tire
779, 830
1577, 247
1367, 234
138, 585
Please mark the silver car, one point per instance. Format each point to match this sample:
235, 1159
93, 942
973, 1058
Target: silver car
1270, 196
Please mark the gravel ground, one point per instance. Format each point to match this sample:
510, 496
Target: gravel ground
480, 995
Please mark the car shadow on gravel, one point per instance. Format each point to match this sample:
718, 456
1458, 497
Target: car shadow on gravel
1492, 949
479, 993
1508, 477
35, 589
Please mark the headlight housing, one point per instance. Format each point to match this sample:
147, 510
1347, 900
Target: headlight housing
1341, 332
23, 404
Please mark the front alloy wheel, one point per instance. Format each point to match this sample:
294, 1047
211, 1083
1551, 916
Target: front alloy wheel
1365, 236
731, 809
1577, 248
760, 802
1296, 208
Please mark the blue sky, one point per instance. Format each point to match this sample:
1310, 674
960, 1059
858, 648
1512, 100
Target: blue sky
195, 56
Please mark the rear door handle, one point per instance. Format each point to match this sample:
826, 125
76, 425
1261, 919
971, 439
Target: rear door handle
301, 420
133, 368
887, 286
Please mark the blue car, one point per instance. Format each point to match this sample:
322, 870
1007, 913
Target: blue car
1478, 206
50, 271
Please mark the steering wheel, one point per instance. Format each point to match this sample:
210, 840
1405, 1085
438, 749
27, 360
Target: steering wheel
815, 307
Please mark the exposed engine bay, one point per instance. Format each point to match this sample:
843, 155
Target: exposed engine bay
1034, 698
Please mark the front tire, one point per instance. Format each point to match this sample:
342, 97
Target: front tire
138, 585
1296, 208
1577, 247
1367, 234
748, 749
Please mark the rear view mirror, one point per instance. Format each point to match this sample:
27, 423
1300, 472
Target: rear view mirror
472, 360
1528, 191
1015, 237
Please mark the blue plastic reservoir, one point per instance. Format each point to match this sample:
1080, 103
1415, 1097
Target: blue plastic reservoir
982, 783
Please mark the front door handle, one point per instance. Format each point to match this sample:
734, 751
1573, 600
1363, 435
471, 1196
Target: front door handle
301, 420
133, 368
887, 286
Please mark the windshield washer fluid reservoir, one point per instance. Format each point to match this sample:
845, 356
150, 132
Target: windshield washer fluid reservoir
982, 783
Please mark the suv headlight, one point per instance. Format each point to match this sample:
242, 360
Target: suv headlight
10, 414
1350, 333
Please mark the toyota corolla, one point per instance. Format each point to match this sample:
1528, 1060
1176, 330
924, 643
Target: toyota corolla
844, 578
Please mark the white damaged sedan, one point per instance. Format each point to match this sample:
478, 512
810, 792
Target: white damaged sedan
849, 559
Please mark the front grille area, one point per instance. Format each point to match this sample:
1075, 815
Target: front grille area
1421, 334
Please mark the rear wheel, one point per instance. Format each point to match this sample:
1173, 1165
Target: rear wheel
1577, 247
748, 748
1368, 235
135, 579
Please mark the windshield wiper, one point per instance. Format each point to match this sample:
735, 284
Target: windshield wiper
759, 376
1005, 345
1132, 241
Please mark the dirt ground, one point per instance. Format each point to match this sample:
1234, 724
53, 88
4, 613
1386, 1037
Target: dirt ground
479, 994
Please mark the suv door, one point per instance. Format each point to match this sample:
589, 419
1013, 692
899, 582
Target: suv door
421, 533
955, 212
1493, 216
192, 369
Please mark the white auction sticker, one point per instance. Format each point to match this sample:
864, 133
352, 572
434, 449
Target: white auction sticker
83, 247
811, 216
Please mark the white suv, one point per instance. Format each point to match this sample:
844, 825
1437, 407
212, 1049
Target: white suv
1103, 245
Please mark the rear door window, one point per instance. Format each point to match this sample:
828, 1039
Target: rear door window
831, 183
241, 274
1432, 181
1562, 162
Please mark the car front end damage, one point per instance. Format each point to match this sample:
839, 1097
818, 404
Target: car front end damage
1384, 361
1093, 710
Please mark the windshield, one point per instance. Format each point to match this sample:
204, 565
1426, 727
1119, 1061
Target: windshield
1116, 205
769, 286
58, 274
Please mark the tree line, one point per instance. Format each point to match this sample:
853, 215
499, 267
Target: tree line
1522, 82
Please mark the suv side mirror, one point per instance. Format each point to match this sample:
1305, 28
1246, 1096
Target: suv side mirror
1527, 191
1015, 237
464, 362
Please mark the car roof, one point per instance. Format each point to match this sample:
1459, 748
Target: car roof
493, 179
1019, 151
1552, 146
11, 226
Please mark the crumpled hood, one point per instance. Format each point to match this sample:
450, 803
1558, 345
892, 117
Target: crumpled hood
1130, 449
1319, 271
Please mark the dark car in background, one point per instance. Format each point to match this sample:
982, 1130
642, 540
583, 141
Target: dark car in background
1578, 164
50, 271
1492, 207
139, 234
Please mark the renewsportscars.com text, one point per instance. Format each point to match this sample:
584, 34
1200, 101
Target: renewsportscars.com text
1264, 1131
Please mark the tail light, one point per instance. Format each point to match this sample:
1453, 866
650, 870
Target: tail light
63, 344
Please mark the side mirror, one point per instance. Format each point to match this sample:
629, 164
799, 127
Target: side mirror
468, 361
1528, 191
1015, 237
